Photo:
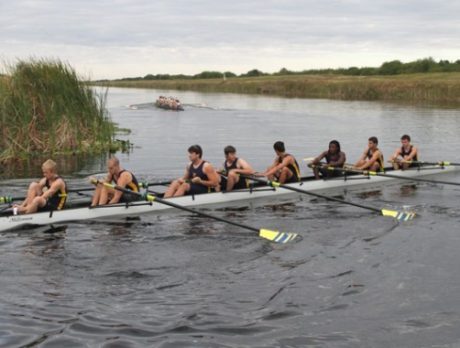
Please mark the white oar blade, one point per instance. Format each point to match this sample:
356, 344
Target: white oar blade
398, 215
276, 236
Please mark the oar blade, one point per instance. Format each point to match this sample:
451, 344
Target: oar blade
398, 215
276, 236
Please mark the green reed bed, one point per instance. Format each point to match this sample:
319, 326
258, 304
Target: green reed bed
423, 87
46, 108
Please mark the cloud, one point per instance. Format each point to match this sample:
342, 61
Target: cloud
132, 38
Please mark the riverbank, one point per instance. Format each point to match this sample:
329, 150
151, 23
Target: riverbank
427, 87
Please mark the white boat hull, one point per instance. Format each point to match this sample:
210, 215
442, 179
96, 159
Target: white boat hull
219, 198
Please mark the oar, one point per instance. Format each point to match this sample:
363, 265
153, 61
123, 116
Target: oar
274, 236
9, 199
395, 176
440, 163
400, 216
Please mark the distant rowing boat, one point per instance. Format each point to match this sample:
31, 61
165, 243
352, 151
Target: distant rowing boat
169, 104
9, 222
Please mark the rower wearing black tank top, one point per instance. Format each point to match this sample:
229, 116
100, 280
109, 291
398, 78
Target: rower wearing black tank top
200, 176
285, 168
231, 178
406, 156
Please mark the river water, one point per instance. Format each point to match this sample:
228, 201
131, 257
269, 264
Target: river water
354, 279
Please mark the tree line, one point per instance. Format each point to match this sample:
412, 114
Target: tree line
394, 67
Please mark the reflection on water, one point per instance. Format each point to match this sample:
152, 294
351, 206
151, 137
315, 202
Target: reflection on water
354, 279
68, 165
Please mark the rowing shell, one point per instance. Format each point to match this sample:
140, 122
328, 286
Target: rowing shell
217, 198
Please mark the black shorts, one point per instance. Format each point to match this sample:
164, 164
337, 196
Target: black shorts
197, 189
129, 197
326, 173
51, 205
241, 184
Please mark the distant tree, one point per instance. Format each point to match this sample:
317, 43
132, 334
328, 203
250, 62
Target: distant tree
284, 71
391, 68
209, 75
253, 73
229, 74
421, 66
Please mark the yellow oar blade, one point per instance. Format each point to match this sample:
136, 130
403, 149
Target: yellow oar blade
398, 215
276, 236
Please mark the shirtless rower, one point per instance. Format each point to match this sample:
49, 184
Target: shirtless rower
233, 167
200, 176
116, 174
285, 168
372, 157
49, 194
405, 156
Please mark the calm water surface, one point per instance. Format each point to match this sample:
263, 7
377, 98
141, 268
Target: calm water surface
354, 280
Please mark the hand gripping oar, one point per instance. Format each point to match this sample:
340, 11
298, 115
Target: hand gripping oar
274, 236
395, 176
400, 216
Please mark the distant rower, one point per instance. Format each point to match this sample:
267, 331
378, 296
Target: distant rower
199, 177
233, 167
405, 155
50, 193
285, 168
372, 157
334, 158
121, 177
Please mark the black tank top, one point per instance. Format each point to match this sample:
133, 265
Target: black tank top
379, 160
404, 153
294, 168
58, 199
230, 167
197, 172
133, 185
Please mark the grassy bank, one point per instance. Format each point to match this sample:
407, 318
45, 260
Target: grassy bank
46, 108
426, 87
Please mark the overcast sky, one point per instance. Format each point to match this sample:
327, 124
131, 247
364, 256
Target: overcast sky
126, 38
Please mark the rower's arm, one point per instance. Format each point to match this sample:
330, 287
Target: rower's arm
286, 161
396, 154
319, 158
55, 187
376, 155
245, 167
124, 179
213, 178
340, 162
412, 154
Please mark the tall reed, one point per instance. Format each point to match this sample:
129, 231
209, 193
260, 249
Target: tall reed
46, 108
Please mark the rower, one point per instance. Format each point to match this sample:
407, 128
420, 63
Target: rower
233, 167
334, 158
116, 174
49, 194
405, 156
200, 176
285, 168
372, 157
